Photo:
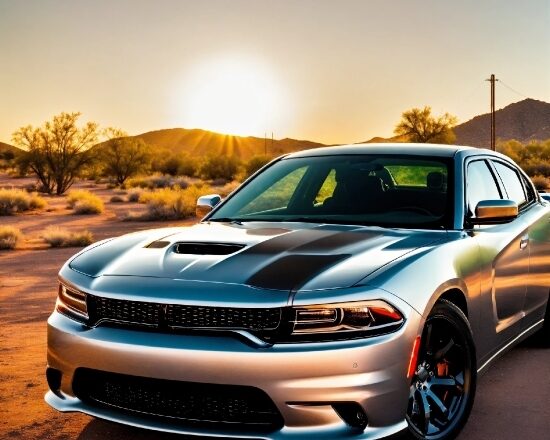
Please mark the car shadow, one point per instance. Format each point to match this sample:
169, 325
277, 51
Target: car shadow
98, 429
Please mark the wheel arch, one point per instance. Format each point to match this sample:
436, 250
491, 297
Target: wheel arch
457, 297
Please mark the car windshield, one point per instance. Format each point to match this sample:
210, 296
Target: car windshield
382, 190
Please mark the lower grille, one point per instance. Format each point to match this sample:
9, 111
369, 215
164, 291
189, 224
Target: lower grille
186, 402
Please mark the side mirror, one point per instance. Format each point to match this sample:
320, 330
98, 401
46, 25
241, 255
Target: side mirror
205, 204
495, 211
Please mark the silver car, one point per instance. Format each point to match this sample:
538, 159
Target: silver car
344, 292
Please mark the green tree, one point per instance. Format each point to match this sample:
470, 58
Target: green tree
122, 156
219, 167
255, 163
418, 125
58, 151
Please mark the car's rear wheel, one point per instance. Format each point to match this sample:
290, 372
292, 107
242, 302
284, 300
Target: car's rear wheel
443, 385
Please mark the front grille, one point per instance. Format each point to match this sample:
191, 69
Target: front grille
187, 402
174, 316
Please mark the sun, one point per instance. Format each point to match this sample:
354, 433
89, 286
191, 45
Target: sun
231, 96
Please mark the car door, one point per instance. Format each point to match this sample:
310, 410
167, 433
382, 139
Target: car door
504, 259
537, 216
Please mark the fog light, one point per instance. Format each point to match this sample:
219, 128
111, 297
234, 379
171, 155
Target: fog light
352, 413
53, 377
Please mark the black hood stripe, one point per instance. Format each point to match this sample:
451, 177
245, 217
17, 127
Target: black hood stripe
293, 271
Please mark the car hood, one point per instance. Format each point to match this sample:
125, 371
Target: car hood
281, 256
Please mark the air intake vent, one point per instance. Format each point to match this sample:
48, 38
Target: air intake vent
207, 248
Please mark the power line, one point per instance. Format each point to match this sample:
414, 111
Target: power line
512, 89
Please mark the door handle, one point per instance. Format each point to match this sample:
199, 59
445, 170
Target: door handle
524, 241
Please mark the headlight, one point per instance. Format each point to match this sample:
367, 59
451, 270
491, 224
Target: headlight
72, 303
325, 322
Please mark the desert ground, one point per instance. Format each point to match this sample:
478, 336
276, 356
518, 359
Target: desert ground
512, 400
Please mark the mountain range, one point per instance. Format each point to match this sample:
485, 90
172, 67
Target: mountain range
524, 121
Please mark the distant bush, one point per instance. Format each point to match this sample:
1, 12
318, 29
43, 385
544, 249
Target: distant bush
9, 237
175, 164
226, 189
17, 200
172, 203
156, 181
57, 237
219, 167
533, 157
541, 183
117, 199
84, 202
134, 194
255, 164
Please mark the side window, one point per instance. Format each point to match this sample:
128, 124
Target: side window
480, 185
512, 184
327, 188
531, 196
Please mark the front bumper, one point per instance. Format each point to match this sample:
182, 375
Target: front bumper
303, 380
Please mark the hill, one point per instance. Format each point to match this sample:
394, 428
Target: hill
8, 147
524, 121
197, 142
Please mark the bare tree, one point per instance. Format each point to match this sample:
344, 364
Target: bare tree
418, 125
123, 156
58, 151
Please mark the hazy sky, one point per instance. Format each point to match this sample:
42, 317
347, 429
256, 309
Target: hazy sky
331, 71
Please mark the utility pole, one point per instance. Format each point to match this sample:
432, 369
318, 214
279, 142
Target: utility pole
492, 80
272, 143
265, 143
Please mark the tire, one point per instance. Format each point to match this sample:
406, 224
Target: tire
443, 386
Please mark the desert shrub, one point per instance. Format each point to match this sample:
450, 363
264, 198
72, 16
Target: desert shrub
255, 164
57, 237
219, 167
84, 202
228, 188
134, 194
175, 164
116, 199
17, 200
9, 237
157, 181
172, 203
541, 183
150, 182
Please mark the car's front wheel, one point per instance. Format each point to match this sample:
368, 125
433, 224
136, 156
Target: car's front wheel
444, 382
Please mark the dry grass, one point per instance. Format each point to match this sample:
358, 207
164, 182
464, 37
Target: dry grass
57, 237
84, 202
9, 237
228, 188
172, 203
17, 200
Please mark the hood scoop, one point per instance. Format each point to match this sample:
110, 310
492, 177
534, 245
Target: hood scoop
191, 248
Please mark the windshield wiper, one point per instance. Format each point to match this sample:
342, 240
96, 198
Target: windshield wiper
237, 221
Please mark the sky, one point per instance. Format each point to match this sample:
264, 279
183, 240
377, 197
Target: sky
338, 71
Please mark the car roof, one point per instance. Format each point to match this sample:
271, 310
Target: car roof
388, 148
